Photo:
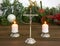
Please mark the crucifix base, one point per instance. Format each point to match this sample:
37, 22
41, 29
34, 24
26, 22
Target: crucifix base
30, 41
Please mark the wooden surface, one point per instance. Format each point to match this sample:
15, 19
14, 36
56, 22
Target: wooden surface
6, 40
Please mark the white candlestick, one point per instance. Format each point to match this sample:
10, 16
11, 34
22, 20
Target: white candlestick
14, 28
45, 28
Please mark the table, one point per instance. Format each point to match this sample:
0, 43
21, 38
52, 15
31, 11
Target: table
6, 40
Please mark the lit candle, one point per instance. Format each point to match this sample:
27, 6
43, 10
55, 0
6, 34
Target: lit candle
14, 27
45, 28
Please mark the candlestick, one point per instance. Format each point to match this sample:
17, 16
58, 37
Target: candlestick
45, 30
14, 32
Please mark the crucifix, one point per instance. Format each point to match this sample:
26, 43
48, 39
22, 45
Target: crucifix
30, 40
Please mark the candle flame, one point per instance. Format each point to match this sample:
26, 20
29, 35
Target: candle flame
14, 22
45, 22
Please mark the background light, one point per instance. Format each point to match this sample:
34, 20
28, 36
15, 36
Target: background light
45, 3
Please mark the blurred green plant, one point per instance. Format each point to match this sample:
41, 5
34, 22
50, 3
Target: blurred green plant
16, 8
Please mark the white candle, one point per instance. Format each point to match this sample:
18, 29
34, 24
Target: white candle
14, 27
45, 28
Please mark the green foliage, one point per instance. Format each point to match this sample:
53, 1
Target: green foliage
36, 19
4, 21
59, 9
34, 10
47, 11
53, 11
6, 3
0, 19
16, 8
26, 19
